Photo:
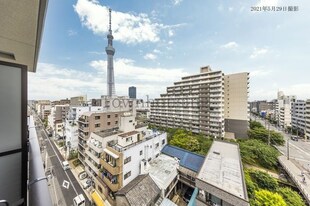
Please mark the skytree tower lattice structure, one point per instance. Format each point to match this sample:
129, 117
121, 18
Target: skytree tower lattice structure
110, 53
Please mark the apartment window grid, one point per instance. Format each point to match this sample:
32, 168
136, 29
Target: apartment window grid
128, 174
128, 159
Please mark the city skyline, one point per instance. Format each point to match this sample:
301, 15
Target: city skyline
158, 43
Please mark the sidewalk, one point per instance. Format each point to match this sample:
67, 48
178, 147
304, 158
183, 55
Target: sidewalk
295, 173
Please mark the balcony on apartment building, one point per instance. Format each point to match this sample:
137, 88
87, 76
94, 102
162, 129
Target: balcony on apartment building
83, 119
110, 180
95, 145
111, 162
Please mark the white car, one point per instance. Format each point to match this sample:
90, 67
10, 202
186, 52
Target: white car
65, 165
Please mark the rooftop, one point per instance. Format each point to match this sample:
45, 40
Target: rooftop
187, 159
140, 191
128, 133
108, 132
222, 168
163, 169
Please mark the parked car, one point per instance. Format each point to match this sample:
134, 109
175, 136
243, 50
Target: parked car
65, 165
294, 138
86, 183
82, 175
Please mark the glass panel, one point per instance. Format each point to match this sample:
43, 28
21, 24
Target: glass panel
10, 177
10, 108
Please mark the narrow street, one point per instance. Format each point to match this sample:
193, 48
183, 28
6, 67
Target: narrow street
62, 184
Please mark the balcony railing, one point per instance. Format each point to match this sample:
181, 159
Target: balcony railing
113, 169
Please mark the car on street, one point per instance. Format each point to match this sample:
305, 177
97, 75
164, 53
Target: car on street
65, 165
86, 183
294, 138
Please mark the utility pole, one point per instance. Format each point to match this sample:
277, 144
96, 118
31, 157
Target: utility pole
288, 149
268, 133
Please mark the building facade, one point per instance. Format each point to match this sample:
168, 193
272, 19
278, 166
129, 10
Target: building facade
132, 92
307, 119
197, 103
283, 109
236, 108
298, 110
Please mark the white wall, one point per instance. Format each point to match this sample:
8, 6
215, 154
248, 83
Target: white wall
149, 150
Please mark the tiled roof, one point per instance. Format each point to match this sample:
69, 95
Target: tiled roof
140, 191
187, 159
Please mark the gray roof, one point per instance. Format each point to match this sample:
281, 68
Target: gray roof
140, 191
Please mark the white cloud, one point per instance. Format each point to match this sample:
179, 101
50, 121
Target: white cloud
258, 52
230, 45
127, 27
230, 9
150, 56
177, 2
156, 51
170, 33
71, 32
170, 42
56, 82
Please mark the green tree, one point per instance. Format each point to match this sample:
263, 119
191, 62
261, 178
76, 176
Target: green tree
256, 152
291, 197
262, 134
255, 124
264, 180
267, 198
250, 185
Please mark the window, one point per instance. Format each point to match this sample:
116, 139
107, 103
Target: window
109, 123
116, 122
128, 159
141, 152
130, 120
97, 117
116, 115
128, 139
100, 189
97, 125
157, 145
163, 141
109, 116
128, 174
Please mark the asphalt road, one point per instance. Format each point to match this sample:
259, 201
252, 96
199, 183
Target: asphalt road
65, 186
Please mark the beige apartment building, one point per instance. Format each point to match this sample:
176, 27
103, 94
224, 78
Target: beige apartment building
78, 101
197, 103
94, 122
236, 108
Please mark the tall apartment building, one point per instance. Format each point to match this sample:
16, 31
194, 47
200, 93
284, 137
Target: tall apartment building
283, 109
197, 103
298, 110
307, 119
236, 108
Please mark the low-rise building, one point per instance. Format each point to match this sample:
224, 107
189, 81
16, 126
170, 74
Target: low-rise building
221, 180
189, 164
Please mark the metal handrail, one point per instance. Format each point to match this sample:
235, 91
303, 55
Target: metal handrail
4, 202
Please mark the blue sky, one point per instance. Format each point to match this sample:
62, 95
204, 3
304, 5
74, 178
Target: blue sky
157, 42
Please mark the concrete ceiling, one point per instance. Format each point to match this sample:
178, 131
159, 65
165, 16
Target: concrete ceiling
21, 27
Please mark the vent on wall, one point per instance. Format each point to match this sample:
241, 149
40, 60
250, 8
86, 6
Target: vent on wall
7, 55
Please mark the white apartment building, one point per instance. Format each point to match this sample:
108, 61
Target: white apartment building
283, 109
298, 110
113, 156
197, 103
57, 118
